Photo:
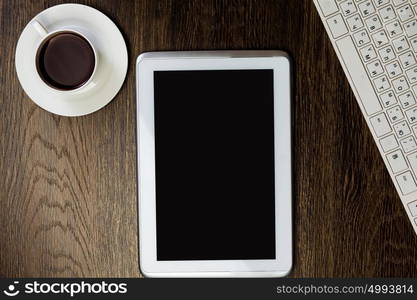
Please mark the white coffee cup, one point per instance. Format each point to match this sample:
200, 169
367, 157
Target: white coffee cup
48, 35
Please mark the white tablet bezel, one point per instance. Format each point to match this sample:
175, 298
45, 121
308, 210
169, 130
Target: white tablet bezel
146, 64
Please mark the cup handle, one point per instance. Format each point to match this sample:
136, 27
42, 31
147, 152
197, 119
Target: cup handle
39, 28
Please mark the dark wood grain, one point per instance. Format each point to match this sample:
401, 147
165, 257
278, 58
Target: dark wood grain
68, 185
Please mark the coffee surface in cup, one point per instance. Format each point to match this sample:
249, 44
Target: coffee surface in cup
66, 61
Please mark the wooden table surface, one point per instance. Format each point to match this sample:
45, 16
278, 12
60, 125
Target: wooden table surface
68, 185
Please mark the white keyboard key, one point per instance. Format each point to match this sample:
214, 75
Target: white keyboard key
411, 28
337, 26
408, 144
399, 2
413, 208
380, 3
387, 54
387, 13
382, 84
411, 115
328, 7
412, 159
400, 44
394, 29
380, 125
388, 98
373, 23
414, 44
407, 99
397, 161
368, 53
362, 38
412, 75
394, 69
366, 8
407, 60
354, 23
415, 89
401, 129
348, 7
375, 68
365, 93
389, 143
395, 114
406, 183
405, 13
400, 84
380, 38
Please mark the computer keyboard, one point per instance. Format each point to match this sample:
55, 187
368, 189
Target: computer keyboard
376, 43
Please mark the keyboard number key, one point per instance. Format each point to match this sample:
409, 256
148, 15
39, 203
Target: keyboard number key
397, 161
389, 143
406, 183
337, 26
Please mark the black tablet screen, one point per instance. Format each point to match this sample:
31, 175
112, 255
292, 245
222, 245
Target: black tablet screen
214, 152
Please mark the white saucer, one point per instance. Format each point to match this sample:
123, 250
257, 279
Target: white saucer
111, 67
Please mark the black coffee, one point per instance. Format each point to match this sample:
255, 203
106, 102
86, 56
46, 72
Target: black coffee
66, 61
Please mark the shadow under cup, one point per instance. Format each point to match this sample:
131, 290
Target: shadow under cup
65, 61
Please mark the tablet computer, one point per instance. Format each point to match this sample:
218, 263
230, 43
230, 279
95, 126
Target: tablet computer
214, 164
